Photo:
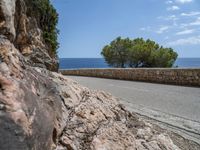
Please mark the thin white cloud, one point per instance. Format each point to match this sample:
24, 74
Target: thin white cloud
172, 8
184, 25
184, 1
169, 2
148, 28
143, 29
192, 13
187, 31
162, 29
166, 38
195, 40
172, 17
168, 18
196, 22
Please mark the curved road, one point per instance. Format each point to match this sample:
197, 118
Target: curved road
177, 106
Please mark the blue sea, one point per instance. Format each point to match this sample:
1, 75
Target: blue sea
77, 63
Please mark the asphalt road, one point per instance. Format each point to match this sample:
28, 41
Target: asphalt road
176, 100
173, 107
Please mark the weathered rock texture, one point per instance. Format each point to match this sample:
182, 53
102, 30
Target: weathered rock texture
42, 110
22, 28
177, 76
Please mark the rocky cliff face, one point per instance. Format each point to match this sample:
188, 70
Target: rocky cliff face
43, 110
19, 25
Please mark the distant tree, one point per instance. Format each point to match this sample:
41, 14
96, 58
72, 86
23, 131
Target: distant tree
116, 52
138, 53
165, 57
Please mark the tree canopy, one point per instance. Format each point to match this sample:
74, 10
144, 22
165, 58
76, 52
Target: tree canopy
138, 53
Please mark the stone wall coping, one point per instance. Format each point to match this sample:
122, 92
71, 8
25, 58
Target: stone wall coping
131, 69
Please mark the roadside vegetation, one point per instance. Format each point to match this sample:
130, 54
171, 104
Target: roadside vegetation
138, 53
47, 17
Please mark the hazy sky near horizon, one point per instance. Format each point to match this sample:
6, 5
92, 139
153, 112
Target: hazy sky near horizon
86, 26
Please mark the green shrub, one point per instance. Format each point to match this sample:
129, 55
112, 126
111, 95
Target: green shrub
47, 19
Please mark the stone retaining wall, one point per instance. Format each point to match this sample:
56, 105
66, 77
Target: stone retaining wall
189, 77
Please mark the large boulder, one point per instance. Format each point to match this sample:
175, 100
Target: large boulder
30, 106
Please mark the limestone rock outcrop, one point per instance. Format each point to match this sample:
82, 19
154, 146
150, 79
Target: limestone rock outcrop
27, 115
22, 28
43, 110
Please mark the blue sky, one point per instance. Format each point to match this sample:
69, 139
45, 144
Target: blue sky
86, 26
